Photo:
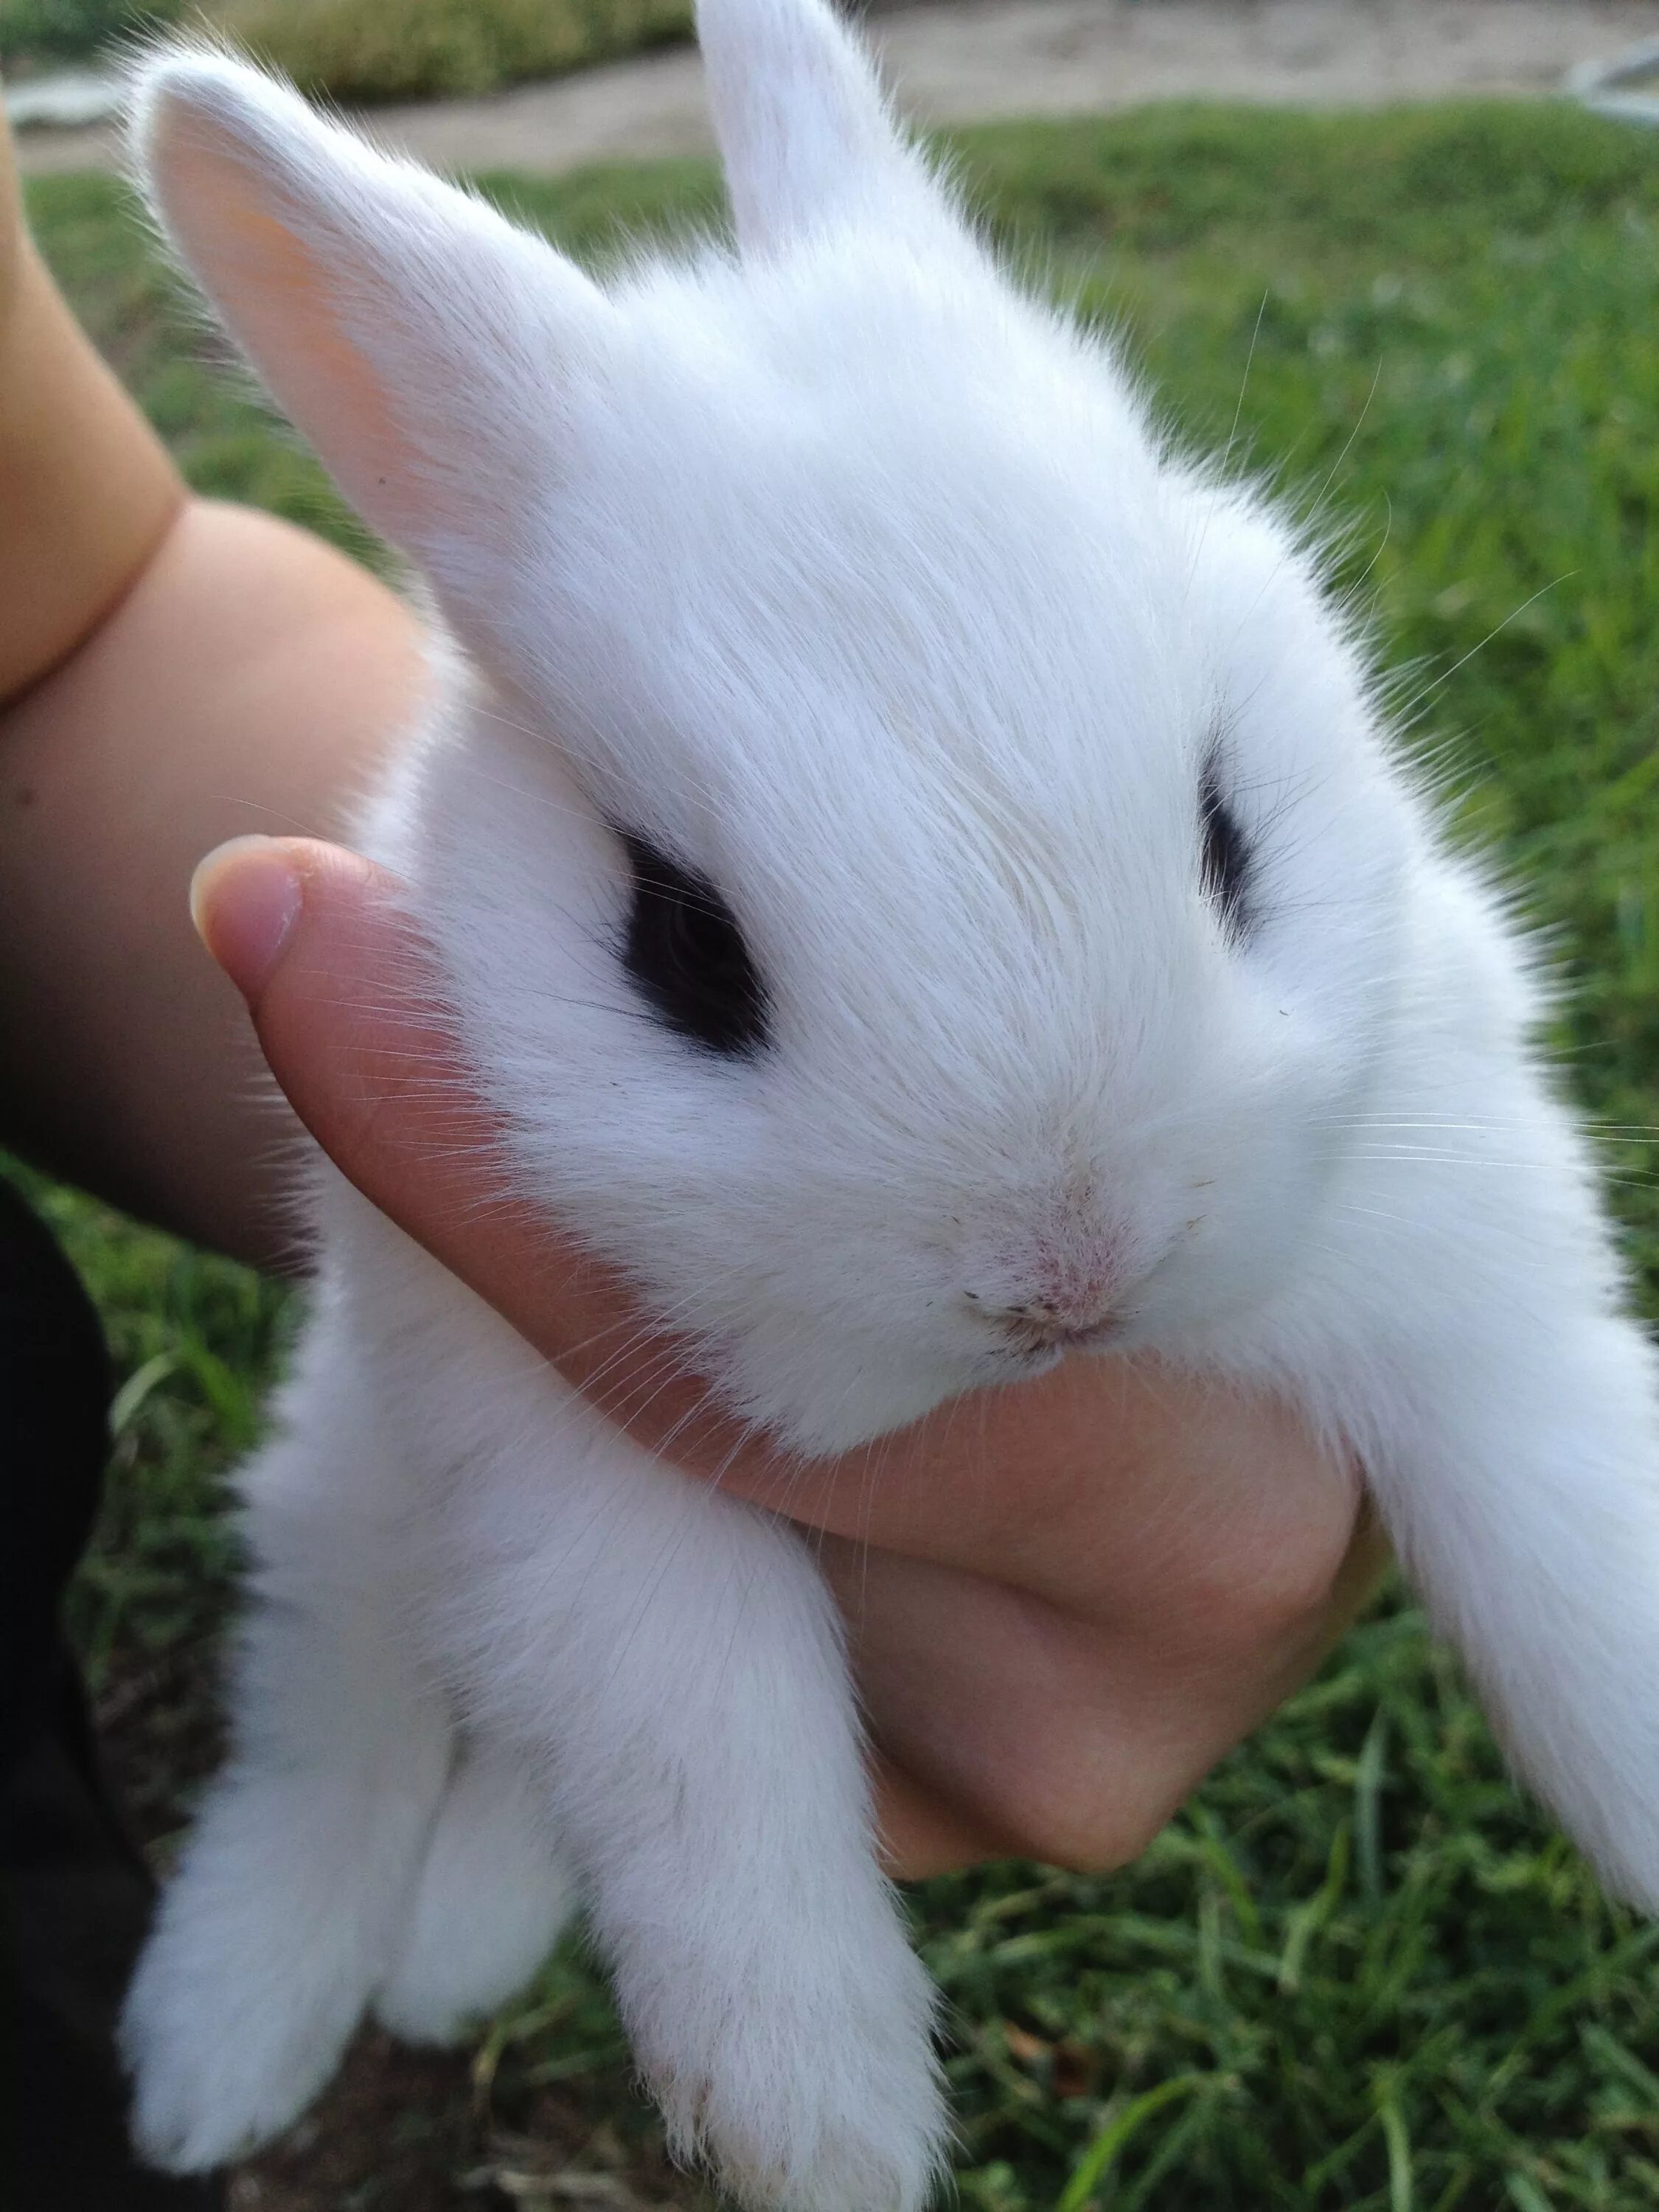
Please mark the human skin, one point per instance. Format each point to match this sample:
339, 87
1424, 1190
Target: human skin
1067, 1599
172, 672
1064, 1599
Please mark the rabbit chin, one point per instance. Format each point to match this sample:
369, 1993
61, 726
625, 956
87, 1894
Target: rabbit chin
818, 1396
818, 1391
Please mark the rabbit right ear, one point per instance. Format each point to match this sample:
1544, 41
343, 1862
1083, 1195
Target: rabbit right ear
804, 128
419, 341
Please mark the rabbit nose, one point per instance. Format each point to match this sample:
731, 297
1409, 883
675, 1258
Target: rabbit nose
1069, 1299
1061, 1282
1043, 1324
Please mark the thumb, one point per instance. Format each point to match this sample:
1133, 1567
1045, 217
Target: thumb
348, 1005
347, 1002
350, 1008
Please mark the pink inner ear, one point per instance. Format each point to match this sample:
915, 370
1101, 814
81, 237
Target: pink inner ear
277, 294
287, 277
409, 332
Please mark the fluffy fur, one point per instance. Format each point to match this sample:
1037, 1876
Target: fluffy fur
857, 581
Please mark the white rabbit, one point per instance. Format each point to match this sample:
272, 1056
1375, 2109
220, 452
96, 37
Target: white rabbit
924, 880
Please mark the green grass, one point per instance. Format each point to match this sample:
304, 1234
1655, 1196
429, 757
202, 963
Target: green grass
364, 50
1357, 1972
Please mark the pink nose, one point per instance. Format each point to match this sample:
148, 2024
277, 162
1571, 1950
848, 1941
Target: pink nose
1068, 1289
1037, 1325
1069, 1299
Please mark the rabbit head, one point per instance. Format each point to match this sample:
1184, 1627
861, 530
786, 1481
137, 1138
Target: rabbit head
918, 866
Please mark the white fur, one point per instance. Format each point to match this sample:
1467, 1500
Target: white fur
859, 582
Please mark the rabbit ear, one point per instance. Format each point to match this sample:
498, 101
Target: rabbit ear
804, 126
417, 339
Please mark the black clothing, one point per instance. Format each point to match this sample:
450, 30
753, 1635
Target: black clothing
75, 1894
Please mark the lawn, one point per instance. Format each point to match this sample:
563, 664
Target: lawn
1357, 1972
361, 51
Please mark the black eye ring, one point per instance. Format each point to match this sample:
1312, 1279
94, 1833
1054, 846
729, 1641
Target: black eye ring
686, 955
1225, 871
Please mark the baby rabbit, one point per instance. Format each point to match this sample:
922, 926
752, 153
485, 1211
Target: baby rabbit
922, 878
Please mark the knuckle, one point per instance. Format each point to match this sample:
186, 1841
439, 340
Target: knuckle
1081, 1814
1264, 1600
1283, 1597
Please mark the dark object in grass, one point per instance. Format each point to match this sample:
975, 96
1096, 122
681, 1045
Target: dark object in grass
76, 1895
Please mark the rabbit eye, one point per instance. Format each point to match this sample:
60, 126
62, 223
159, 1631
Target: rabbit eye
1223, 856
686, 956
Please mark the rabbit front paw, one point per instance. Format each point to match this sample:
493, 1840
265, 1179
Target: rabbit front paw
232, 2025
491, 1898
268, 1939
807, 2084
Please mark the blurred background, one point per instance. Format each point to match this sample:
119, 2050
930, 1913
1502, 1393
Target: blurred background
1375, 251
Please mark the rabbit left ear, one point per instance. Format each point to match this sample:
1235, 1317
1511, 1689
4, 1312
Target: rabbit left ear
805, 131
418, 340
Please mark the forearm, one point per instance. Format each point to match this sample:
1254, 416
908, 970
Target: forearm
250, 679
86, 490
170, 674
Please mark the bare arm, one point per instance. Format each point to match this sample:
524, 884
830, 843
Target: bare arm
248, 679
171, 673
85, 490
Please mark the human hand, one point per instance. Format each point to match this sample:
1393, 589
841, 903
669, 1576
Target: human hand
1065, 1599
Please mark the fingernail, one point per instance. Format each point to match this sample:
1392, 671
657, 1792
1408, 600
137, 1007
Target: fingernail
244, 898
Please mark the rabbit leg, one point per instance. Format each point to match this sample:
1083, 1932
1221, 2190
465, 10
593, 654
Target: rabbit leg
676, 1658
491, 1897
292, 1888
1527, 1512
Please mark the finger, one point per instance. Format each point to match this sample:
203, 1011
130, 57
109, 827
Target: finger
1156, 1522
921, 1832
348, 1006
1035, 1483
1007, 1727
347, 1001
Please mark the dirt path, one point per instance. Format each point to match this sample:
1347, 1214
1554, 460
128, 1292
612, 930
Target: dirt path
954, 60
